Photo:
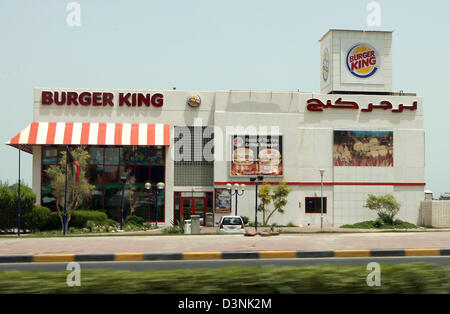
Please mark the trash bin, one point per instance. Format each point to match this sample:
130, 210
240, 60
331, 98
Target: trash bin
187, 227
195, 224
209, 220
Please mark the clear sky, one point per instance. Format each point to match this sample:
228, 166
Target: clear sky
213, 45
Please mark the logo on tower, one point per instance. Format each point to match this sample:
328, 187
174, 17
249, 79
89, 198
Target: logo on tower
363, 60
325, 64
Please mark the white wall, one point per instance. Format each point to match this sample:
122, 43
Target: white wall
307, 145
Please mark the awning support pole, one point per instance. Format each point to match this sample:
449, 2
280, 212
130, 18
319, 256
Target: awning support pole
19, 205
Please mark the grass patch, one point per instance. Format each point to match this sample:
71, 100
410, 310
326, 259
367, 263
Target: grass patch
407, 278
370, 224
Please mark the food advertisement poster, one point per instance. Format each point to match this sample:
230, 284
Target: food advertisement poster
223, 200
256, 155
363, 148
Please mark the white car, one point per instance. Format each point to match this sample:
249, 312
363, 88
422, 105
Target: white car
231, 224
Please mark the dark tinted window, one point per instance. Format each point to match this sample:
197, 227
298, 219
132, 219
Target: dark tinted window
232, 221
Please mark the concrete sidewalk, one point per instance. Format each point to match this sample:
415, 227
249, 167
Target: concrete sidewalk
225, 243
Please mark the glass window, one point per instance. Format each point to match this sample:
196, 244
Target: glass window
142, 201
140, 164
96, 200
128, 172
177, 218
127, 155
209, 202
47, 198
45, 178
142, 174
96, 154
111, 155
96, 174
160, 206
313, 205
49, 155
111, 174
129, 199
157, 174
157, 155
142, 155
112, 201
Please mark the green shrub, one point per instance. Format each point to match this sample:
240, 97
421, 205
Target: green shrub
9, 200
7, 218
38, 219
174, 230
386, 207
245, 219
80, 218
379, 224
134, 220
54, 222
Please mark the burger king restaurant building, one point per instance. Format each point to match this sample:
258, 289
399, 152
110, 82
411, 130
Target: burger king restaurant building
366, 138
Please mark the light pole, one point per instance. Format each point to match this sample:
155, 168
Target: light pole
148, 186
236, 188
160, 186
321, 198
256, 180
123, 179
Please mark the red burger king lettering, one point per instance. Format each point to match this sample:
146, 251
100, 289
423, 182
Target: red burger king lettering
104, 99
362, 60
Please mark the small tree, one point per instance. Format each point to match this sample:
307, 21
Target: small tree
386, 207
278, 196
77, 192
265, 199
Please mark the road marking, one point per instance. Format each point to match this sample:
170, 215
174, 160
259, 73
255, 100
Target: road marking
352, 253
53, 258
127, 257
422, 252
201, 255
277, 254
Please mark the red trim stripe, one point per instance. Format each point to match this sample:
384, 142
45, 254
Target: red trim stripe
330, 183
150, 134
84, 140
101, 134
134, 140
166, 134
32, 137
68, 130
118, 134
15, 139
51, 132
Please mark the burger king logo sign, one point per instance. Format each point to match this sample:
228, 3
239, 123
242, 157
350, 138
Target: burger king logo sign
194, 101
325, 64
363, 60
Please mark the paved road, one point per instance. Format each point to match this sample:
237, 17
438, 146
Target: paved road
225, 243
166, 265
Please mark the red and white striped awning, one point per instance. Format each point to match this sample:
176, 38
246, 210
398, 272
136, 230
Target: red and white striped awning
78, 133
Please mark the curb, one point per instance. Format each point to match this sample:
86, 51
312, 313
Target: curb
116, 257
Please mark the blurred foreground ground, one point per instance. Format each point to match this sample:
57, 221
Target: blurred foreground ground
224, 243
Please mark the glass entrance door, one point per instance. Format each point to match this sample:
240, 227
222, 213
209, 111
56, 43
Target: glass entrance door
193, 206
200, 209
186, 208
